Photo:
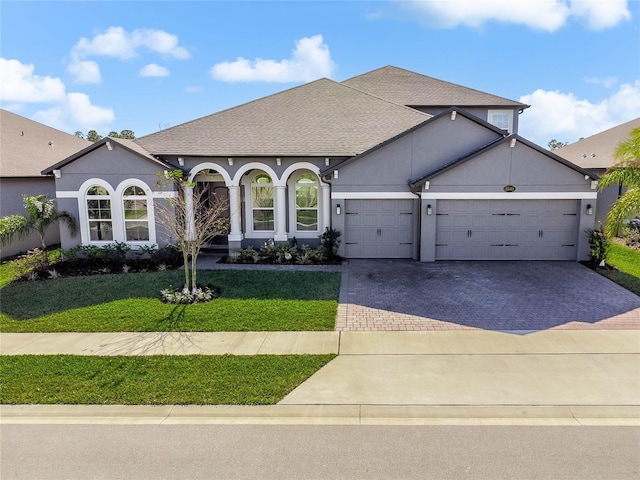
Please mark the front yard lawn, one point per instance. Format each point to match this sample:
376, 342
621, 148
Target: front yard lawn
154, 380
627, 262
250, 301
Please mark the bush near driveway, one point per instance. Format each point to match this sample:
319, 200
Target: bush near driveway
250, 301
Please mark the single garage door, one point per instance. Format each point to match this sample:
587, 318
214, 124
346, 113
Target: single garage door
378, 229
506, 230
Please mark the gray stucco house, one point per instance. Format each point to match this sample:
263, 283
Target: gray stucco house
403, 165
26, 148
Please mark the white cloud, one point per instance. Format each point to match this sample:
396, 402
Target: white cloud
153, 70
85, 71
548, 15
19, 84
606, 82
76, 112
118, 43
565, 117
310, 60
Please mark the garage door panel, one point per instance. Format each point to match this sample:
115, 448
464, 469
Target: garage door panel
506, 230
384, 230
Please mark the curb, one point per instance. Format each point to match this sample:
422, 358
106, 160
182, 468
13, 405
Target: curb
534, 415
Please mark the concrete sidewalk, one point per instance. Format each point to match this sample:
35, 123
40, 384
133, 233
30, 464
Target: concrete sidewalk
467, 377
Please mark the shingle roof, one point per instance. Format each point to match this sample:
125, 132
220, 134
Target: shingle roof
321, 118
597, 151
409, 88
28, 147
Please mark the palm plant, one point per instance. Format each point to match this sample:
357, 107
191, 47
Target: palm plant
41, 213
626, 173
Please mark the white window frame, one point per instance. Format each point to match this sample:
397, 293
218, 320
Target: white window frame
126, 221
509, 113
249, 183
151, 219
293, 221
85, 230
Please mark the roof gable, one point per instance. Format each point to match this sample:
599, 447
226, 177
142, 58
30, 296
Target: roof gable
413, 89
128, 145
321, 118
415, 184
27, 147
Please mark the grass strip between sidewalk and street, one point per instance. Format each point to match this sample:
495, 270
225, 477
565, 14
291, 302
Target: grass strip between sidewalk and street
627, 262
154, 380
250, 301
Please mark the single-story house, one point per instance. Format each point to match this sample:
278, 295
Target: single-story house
27, 148
403, 165
596, 154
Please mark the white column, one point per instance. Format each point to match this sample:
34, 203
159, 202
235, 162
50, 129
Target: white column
189, 214
281, 214
234, 211
326, 207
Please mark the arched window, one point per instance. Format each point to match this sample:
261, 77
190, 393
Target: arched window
262, 203
99, 214
306, 191
136, 215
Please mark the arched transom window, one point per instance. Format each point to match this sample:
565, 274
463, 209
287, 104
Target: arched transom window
99, 214
306, 202
136, 215
262, 203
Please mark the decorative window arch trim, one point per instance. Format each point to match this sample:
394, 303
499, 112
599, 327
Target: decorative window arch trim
292, 182
148, 195
210, 166
248, 183
83, 214
237, 178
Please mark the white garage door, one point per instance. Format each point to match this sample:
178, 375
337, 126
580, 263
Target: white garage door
378, 229
506, 230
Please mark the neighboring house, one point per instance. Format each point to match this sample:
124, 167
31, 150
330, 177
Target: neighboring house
403, 165
596, 154
26, 148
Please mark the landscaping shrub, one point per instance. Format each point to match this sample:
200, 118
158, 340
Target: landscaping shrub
599, 247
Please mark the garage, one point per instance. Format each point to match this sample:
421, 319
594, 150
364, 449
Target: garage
379, 228
506, 230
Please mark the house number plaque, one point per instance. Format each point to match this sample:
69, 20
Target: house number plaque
509, 188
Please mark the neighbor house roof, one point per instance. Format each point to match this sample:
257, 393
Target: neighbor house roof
413, 89
28, 147
597, 151
123, 142
321, 118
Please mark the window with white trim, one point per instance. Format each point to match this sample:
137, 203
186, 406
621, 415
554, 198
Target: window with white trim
262, 203
306, 194
136, 215
99, 214
502, 119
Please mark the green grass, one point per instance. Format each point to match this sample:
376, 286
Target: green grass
154, 380
627, 261
250, 301
13, 269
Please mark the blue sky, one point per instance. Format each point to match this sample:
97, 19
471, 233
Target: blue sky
150, 65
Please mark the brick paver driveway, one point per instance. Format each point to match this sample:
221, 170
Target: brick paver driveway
511, 296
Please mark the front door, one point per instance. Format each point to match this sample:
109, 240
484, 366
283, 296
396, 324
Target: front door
214, 192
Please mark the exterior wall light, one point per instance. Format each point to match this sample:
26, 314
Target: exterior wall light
326, 161
181, 161
513, 142
335, 174
338, 210
278, 161
230, 161
429, 209
57, 173
109, 146
589, 210
453, 115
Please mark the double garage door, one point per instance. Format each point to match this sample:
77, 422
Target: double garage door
378, 229
506, 230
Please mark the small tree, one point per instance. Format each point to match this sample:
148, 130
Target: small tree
556, 144
192, 221
41, 213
